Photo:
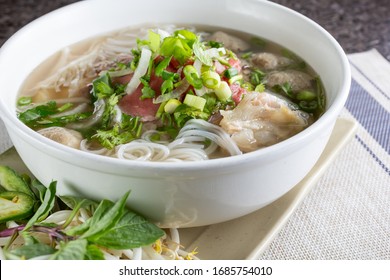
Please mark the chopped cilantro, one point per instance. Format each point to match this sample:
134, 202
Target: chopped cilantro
128, 130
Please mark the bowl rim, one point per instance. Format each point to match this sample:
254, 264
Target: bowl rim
72, 155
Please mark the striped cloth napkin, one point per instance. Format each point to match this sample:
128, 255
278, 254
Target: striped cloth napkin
347, 214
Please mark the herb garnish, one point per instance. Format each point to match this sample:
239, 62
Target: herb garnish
111, 226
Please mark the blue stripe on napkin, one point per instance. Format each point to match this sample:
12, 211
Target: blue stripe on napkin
370, 114
387, 96
374, 156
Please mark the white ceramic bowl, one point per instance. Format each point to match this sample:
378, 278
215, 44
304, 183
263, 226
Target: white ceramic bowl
175, 194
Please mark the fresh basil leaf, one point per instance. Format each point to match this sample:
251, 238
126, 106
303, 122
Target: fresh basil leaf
72, 250
106, 216
76, 202
45, 207
93, 253
40, 188
132, 231
33, 250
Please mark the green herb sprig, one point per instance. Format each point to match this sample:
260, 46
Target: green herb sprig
111, 226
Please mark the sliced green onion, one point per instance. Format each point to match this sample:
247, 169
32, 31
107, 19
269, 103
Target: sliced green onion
256, 77
235, 79
24, 101
223, 61
195, 101
160, 110
223, 92
192, 76
246, 55
171, 106
65, 107
211, 79
231, 72
306, 95
215, 44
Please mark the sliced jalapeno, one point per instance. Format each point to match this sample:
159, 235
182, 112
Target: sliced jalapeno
15, 206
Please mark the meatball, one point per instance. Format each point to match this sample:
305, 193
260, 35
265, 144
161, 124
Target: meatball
230, 42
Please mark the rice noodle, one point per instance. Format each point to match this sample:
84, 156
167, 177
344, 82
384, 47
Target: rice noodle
197, 127
188, 145
143, 150
86, 147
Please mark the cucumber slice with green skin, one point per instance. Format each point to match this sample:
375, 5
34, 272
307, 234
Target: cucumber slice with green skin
11, 181
15, 206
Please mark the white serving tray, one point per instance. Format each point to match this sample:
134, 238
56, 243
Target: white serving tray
248, 236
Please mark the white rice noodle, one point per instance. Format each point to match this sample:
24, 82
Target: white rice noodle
140, 71
188, 145
81, 69
147, 136
196, 127
73, 74
187, 154
86, 147
143, 150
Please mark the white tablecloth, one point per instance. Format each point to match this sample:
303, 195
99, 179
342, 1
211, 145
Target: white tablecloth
347, 214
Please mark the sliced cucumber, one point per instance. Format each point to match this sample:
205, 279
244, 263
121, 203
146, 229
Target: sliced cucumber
11, 181
15, 206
